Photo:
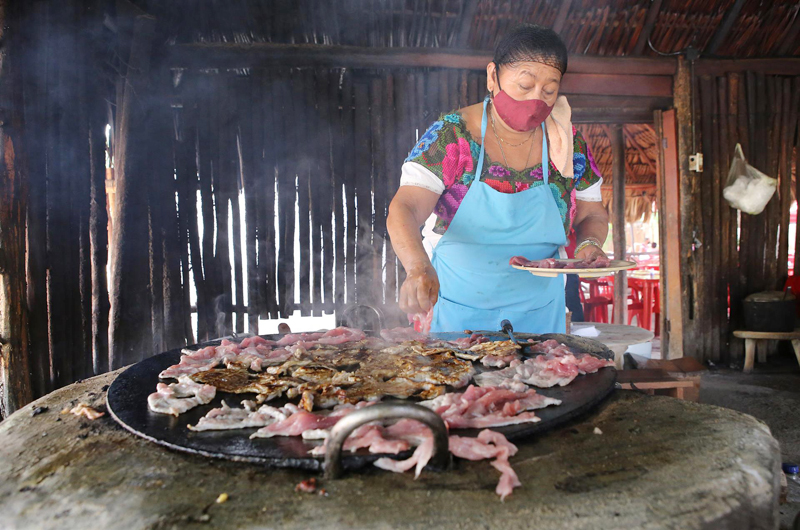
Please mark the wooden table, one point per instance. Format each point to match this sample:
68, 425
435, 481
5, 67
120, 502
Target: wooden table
617, 337
758, 339
649, 281
634, 462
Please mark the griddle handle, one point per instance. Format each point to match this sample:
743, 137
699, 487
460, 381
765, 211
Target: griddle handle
386, 411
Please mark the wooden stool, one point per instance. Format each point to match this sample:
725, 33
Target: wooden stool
752, 339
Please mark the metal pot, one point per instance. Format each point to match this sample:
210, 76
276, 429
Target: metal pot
772, 311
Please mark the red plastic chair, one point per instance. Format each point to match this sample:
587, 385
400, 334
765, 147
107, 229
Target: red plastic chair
793, 282
636, 309
595, 308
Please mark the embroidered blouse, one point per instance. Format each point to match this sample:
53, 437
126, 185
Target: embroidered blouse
444, 161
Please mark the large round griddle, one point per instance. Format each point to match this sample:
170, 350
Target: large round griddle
127, 403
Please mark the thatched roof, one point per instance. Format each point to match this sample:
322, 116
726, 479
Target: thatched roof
641, 154
593, 27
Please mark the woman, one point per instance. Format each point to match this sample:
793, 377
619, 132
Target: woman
532, 188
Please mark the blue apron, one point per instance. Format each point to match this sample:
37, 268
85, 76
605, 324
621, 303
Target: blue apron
478, 287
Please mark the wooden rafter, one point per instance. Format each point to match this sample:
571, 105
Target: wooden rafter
469, 13
649, 24
791, 37
561, 16
724, 27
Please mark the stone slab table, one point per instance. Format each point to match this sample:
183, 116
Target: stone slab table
659, 463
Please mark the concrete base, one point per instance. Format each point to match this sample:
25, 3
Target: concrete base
660, 463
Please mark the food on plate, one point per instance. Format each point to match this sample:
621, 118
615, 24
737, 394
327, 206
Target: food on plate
177, 398
551, 263
556, 365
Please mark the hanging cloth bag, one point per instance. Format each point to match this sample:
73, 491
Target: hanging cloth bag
747, 189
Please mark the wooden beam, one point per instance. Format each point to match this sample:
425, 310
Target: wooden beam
774, 66
618, 221
467, 17
266, 54
561, 16
614, 85
632, 187
724, 28
649, 24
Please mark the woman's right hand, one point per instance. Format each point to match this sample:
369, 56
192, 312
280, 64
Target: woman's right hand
420, 290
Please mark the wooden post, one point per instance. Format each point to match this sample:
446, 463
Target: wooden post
669, 240
15, 373
683, 108
618, 222
130, 322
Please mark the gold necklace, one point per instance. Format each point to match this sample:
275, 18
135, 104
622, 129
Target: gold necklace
491, 115
504, 153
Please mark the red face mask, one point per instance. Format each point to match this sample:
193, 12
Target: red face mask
523, 115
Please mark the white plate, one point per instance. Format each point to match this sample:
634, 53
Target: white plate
615, 266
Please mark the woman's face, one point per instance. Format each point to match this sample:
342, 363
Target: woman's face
525, 80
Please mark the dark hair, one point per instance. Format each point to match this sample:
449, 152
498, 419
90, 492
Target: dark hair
529, 42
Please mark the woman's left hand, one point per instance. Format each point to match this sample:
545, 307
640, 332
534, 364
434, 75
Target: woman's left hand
590, 253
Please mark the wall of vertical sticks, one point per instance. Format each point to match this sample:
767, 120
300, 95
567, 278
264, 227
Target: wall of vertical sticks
740, 253
318, 150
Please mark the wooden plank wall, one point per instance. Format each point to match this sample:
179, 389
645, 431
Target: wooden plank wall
740, 253
326, 144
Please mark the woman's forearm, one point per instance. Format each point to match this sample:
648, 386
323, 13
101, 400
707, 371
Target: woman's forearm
405, 237
595, 227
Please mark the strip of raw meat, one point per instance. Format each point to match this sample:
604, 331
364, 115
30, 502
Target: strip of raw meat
466, 343
398, 335
418, 460
193, 362
179, 397
256, 341
341, 335
482, 407
489, 444
550, 263
292, 338
585, 362
225, 417
301, 420
371, 436
422, 321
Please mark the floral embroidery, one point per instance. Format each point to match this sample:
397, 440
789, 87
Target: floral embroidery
456, 161
537, 174
450, 201
426, 141
453, 118
448, 150
579, 164
499, 171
